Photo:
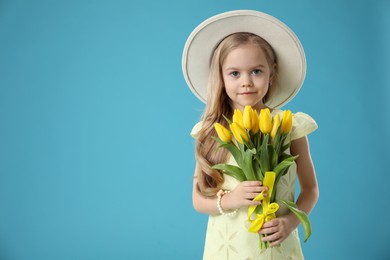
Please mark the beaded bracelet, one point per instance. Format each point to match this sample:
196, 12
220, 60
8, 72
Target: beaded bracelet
220, 193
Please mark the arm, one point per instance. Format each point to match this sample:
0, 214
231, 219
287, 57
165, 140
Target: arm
306, 175
280, 228
241, 196
203, 204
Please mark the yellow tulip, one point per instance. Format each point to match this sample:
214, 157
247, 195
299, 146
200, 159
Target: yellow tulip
247, 117
275, 125
287, 122
265, 121
238, 132
255, 122
223, 133
238, 117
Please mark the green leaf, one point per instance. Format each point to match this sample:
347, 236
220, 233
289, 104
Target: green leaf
273, 156
288, 157
259, 209
264, 155
285, 147
277, 140
247, 165
217, 139
231, 170
227, 120
257, 170
281, 174
241, 146
234, 151
249, 144
302, 216
256, 140
283, 165
273, 195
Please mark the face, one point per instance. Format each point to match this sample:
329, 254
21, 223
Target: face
246, 75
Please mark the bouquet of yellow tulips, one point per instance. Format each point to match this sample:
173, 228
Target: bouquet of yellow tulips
261, 154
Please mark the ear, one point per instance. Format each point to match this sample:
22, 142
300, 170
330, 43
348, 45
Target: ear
272, 74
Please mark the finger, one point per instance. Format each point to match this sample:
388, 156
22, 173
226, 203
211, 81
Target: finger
272, 238
275, 243
252, 183
257, 188
268, 231
251, 195
271, 223
252, 203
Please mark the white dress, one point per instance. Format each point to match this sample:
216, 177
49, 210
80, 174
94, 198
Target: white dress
227, 237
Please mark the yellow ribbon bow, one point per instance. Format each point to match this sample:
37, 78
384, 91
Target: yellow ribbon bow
269, 209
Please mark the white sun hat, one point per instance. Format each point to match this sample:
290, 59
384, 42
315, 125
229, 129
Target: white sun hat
205, 38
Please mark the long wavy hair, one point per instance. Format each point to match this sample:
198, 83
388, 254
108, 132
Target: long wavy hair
218, 103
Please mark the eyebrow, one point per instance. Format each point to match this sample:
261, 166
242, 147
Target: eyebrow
257, 66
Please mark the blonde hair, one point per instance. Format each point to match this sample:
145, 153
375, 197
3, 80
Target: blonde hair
218, 103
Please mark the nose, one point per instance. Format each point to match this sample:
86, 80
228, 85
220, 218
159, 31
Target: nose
247, 81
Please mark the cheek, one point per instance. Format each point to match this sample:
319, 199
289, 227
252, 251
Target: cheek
266, 91
263, 83
226, 84
266, 88
229, 90
224, 80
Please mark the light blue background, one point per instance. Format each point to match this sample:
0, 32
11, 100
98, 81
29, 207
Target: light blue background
96, 161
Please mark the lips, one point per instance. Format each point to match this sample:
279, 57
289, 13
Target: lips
247, 93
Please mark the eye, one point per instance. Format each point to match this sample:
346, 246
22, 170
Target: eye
234, 74
256, 72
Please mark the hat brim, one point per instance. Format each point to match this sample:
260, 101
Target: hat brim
206, 37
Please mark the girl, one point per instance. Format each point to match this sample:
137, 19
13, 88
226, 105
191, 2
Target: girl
254, 60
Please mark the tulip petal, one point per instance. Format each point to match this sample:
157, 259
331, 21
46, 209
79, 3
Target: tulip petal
238, 117
255, 122
275, 125
247, 117
222, 133
265, 121
287, 122
239, 133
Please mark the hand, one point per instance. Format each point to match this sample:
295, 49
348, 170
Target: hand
278, 229
243, 195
